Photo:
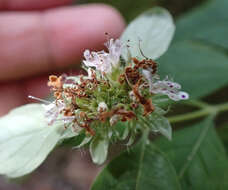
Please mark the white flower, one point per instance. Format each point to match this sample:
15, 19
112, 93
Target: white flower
102, 107
90, 73
114, 119
114, 48
102, 60
132, 96
53, 110
99, 60
166, 87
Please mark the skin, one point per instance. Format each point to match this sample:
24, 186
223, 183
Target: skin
38, 38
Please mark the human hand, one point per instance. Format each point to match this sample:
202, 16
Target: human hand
36, 38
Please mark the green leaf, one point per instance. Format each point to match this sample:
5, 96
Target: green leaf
131, 139
69, 133
158, 123
121, 130
223, 134
143, 167
154, 28
207, 22
25, 140
198, 68
198, 57
84, 141
198, 156
99, 149
74, 141
162, 125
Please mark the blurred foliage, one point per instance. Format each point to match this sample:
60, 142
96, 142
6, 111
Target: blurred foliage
198, 156
199, 49
144, 167
196, 152
223, 134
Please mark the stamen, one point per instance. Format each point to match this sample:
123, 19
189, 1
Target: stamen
140, 49
39, 99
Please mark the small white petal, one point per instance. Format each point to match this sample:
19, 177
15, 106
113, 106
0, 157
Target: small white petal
53, 110
114, 119
90, 72
147, 74
102, 60
115, 48
183, 95
87, 54
132, 96
102, 107
174, 97
166, 87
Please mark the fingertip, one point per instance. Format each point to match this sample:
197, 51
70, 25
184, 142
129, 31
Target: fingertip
113, 17
50, 40
71, 30
31, 4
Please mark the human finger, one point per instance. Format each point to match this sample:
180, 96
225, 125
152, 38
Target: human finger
31, 4
33, 43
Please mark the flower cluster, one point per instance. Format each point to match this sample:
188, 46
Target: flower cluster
111, 93
119, 97
103, 61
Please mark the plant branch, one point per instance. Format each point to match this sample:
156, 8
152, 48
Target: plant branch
206, 110
197, 103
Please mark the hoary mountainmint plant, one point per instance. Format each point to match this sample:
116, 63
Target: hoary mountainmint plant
118, 98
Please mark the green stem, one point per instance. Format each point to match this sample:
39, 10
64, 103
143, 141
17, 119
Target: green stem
197, 103
206, 110
222, 107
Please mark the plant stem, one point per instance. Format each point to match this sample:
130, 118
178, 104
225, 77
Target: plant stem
206, 110
222, 107
197, 103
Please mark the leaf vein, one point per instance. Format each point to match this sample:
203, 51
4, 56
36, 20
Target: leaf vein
139, 173
194, 151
